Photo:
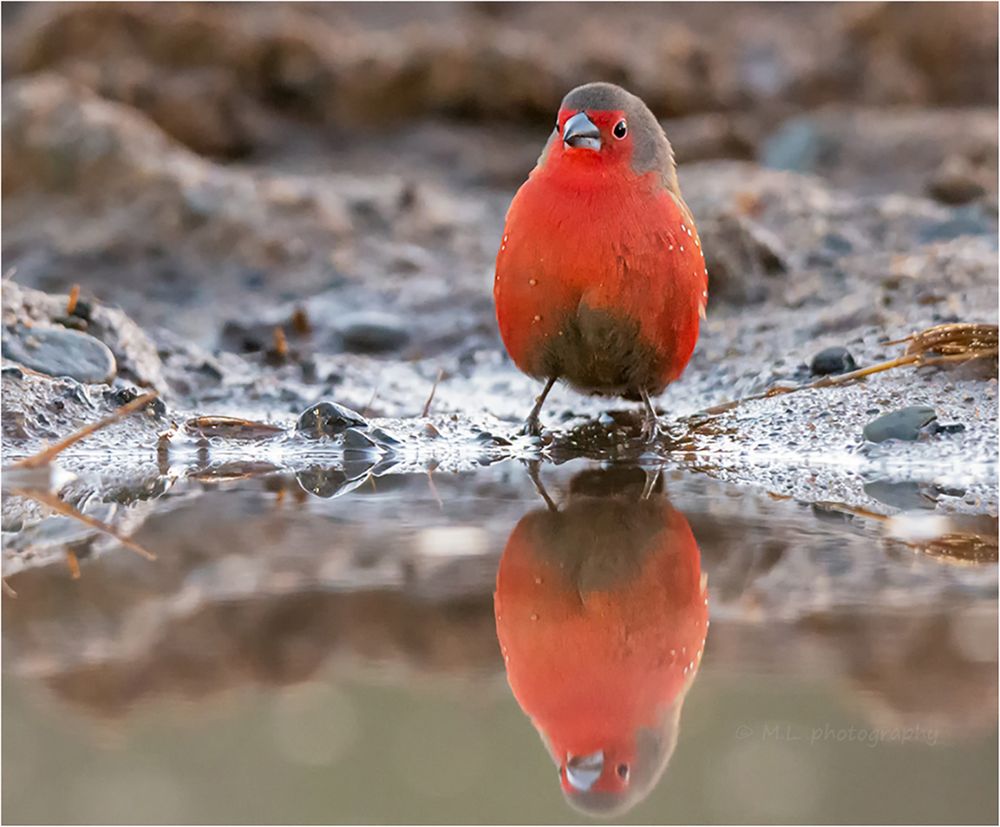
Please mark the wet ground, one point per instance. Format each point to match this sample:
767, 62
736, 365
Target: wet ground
246, 603
299, 657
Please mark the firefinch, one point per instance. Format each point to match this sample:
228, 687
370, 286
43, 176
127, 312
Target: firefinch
602, 613
600, 278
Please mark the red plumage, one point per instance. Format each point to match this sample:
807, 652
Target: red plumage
600, 277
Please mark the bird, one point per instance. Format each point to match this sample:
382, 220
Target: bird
601, 613
600, 278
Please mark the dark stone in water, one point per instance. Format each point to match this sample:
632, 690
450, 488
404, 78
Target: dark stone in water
322, 482
906, 494
486, 438
383, 438
355, 440
372, 333
328, 419
906, 424
58, 351
833, 360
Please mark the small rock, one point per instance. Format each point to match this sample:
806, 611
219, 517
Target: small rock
906, 424
955, 182
328, 419
951, 428
324, 482
122, 396
833, 360
906, 495
58, 351
372, 332
355, 440
383, 438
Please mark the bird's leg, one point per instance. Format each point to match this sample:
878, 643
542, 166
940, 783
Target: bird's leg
652, 477
534, 471
532, 426
650, 422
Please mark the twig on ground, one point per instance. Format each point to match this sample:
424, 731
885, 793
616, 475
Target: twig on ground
942, 344
427, 404
46, 455
74, 297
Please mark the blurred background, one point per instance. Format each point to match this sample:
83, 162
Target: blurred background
191, 162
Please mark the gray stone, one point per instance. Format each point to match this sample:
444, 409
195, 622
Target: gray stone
328, 419
58, 351
372, 332
906, 424
833, 360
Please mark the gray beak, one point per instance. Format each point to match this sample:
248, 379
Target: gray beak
580, 132
583, 770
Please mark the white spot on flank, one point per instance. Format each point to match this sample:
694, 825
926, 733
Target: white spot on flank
682, 248
537, 318
532, 282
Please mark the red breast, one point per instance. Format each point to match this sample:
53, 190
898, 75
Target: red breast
600, 276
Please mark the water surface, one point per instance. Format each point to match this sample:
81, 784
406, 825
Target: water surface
290, 657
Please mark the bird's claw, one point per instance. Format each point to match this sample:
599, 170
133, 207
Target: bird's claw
650, 431
532, 427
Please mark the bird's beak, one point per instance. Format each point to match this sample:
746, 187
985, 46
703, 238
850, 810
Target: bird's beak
580, 132
583, 770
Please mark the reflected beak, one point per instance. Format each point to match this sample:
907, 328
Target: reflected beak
583, 770
580, 132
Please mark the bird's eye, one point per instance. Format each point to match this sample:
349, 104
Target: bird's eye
622, 769
620, 131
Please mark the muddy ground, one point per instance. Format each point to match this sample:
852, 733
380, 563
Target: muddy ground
209, 177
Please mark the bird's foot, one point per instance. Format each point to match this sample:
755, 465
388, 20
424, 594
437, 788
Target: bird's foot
650, 430
532, 427
650, 421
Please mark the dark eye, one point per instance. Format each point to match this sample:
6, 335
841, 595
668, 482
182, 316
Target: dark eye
622, 769
620, 131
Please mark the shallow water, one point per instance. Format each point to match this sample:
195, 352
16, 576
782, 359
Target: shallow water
297, 658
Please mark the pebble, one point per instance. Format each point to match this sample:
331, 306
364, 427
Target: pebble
122, 396
956, 182
832, 360
906, 424
328, 419
59, 351
906, 495
355, 440
372, 332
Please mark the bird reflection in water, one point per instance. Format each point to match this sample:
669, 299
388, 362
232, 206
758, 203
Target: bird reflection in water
602, 613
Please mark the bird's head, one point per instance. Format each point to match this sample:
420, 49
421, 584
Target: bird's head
602, 127
612, 780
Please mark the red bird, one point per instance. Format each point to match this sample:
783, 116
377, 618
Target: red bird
602, 614
600, 277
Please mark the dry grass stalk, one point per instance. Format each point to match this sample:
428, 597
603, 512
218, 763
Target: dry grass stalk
280, 342
434, 387
74, 297
46, 455
942, 344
